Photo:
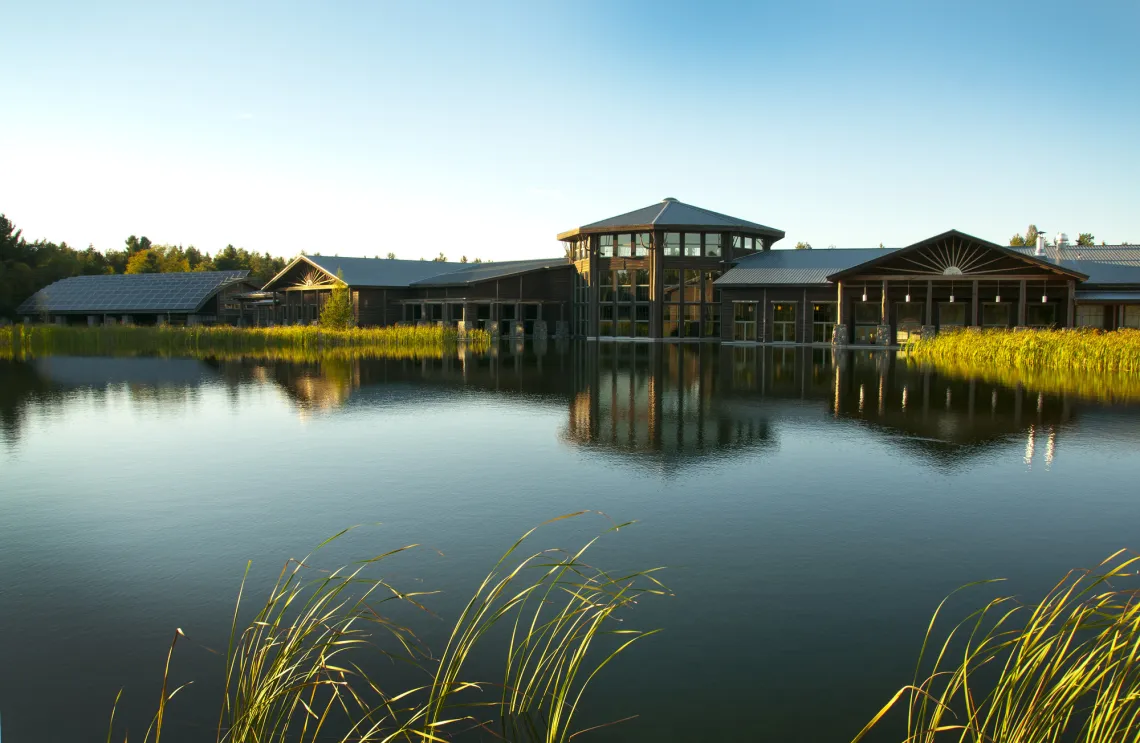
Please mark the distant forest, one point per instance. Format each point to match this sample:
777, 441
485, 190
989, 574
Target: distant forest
26, 267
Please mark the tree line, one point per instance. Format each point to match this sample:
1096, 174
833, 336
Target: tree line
26, 267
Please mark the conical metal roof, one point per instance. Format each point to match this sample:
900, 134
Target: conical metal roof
671, 214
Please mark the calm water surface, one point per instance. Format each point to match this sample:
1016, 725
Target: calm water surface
812, 510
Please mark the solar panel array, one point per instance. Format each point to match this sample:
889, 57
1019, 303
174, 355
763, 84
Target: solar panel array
141, 293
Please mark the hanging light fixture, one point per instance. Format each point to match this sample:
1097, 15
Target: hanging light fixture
997, 298
1044, 292
951, 292
908, 291
864, 292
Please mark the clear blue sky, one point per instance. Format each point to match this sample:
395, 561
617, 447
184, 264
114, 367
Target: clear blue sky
486, 128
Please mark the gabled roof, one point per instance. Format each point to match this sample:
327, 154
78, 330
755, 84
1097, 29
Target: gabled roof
960, 236
474, 272
671, 214
393, 273
797, 267
158, 293
369, 272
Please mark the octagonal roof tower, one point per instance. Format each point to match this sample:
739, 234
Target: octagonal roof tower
678, 216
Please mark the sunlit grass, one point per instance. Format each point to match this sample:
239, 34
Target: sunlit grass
304, 668
1066, 668
1084, 363
287, 343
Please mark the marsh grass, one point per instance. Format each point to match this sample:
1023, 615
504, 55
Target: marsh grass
1084, 363
1085, 350
288, 343
1064, 669
304, 668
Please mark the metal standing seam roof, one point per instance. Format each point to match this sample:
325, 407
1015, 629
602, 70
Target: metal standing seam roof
126, 293
388, 272
1121, 255
796, 267
670, 213
475, 272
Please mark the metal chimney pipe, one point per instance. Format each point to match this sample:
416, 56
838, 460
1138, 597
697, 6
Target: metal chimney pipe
1040, 245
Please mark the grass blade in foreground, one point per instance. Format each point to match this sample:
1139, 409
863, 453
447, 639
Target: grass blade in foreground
1064, 669
297, 671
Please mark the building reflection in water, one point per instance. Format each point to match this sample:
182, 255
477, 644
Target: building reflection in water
670, 402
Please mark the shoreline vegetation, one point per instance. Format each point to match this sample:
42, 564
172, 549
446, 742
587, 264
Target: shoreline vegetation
304, 667
1089, 364
289, 343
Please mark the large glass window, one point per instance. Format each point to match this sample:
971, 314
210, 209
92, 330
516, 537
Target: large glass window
605, 286
672, 285
692, 285
1041, 315
625, 246
712, 294
1090, 315
641, 320
712, 320
712, 246
951, 315
606, 320
624, 327
641, 244
672, 243
692, 321
606, 246
624, 285
784, 322
744, 321
995, 315
670, 320
692, 244
1132, 316
909, 320
822, 321
641, 277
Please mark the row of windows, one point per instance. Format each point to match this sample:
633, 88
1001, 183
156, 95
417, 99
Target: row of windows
675, 244
784, 314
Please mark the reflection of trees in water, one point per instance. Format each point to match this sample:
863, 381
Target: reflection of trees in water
21, 387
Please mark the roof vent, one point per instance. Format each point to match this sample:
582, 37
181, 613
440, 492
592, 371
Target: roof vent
1062, 240
1040, 245
667, 199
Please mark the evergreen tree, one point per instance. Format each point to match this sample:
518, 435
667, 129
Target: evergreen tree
337, 313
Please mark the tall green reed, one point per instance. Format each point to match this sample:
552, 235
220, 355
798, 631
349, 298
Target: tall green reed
1064, 669
303, 668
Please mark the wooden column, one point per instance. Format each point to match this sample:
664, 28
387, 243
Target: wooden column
1070, 311
839, 318
975, 320
806, 338
929, 319
884, 312
1022, 288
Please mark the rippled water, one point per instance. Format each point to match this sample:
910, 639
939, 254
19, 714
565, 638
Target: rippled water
812, 510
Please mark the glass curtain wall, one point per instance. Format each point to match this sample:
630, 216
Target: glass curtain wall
867, 316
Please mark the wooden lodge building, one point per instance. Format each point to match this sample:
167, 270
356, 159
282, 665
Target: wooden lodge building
667, 272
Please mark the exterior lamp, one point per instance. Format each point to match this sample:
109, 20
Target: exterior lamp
908, 291
951, 292
864, 292
1044, 293
997, 298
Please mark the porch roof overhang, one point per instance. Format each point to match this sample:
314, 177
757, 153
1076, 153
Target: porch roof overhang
867, 269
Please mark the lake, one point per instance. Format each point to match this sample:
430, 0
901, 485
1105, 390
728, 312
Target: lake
811, 509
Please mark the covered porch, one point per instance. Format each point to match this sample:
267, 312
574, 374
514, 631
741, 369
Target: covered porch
950, 281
